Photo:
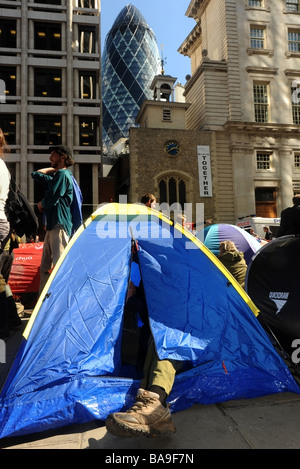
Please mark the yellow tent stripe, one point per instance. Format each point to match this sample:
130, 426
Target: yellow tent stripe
135, 210
51, 277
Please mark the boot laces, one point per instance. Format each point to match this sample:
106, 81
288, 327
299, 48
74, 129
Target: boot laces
141, 401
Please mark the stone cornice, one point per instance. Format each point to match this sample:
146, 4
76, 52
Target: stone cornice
190, 40
262, 127
196, 8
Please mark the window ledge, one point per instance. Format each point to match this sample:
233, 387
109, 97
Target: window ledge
290, 54
289, 12
262, 70
268, 52
267, 9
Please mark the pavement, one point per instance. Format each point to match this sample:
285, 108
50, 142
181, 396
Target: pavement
268, 422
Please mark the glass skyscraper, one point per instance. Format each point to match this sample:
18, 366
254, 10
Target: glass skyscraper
130, 61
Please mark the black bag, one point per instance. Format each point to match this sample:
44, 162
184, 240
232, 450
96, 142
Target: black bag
19, 212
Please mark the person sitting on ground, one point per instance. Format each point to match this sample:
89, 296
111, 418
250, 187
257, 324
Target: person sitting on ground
9, 319
269, 234
233, 260
7, 258
252, 232
150, 415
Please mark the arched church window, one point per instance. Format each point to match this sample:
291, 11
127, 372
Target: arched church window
172, 189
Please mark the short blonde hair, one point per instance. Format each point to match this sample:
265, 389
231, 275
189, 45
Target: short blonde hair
227, 246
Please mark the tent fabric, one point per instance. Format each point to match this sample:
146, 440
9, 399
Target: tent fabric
212, 235
272, 281
69, 369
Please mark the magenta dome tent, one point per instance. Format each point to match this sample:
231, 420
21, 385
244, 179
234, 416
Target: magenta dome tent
212, 235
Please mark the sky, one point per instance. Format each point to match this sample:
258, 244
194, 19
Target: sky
167, 20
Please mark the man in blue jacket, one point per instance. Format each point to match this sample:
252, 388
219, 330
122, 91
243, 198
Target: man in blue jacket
56, 207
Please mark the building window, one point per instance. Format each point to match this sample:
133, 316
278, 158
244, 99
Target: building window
87, 85
8, 75
255, 3
87, 39
263, 161
166, 115
260, 93
87, 3
8, 125
47, 36
296, 103
47, 82
292, 5
88, 131
172, 190
8, 33
257, 37
297, 161
294, 40
47, 130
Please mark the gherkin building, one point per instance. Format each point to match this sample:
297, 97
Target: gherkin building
130, 61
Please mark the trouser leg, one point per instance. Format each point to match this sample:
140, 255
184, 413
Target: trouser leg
159, 372
54, 244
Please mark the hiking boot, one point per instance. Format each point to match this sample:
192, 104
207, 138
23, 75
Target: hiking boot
146, 417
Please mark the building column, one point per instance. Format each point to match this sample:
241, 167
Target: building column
24, 95
243, 181
95, 177
286, 175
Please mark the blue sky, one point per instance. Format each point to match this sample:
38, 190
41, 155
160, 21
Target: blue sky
168, 21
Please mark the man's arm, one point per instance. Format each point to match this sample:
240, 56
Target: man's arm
56, 190
49, 170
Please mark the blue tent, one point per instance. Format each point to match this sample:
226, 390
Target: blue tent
69, 369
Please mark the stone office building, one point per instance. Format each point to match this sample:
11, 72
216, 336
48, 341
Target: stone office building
244, 86
242, 101
50, 75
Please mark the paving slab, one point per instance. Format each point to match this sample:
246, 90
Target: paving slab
268, 422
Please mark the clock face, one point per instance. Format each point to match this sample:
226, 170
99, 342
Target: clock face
172, 148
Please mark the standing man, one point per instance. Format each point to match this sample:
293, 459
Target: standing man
56, 207
290, 219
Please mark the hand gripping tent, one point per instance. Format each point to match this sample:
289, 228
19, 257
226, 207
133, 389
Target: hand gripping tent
69, 367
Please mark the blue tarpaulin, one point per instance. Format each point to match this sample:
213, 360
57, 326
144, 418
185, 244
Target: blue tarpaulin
69, 369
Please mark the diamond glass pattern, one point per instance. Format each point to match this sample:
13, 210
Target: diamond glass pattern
130, 61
